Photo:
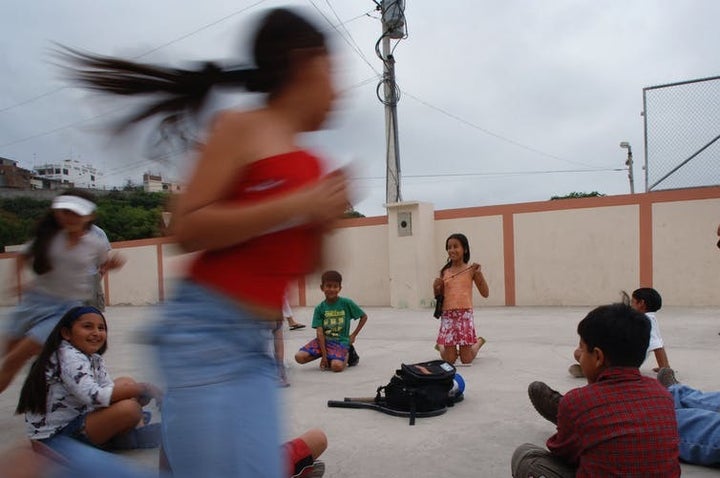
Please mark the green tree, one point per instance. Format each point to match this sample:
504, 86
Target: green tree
124, 215
18, 217
575, 195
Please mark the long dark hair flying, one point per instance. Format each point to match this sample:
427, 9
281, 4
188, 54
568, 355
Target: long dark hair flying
33, 396
45, 230
177, 94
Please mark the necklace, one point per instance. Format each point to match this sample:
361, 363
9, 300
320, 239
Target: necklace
457, 273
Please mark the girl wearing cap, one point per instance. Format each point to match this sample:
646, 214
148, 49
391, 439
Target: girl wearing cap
61, 253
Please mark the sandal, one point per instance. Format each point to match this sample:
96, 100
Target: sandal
297, 326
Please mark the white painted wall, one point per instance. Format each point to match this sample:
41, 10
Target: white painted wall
686, 260
576, 257
564, 256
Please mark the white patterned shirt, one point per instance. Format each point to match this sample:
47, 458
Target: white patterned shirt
77, 384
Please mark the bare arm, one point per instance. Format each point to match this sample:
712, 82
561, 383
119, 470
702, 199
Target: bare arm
202, 220
480, 282
357, 330
16, 275
322, 347
661, 357
114, 261
125, 388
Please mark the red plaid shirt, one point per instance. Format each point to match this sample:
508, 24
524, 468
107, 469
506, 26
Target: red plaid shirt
621, 425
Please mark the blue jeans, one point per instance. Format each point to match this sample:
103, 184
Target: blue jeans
86, 461
220, 411
37, 314
698, 417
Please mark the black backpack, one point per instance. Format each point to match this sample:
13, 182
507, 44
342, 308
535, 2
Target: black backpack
419, 387
416, 390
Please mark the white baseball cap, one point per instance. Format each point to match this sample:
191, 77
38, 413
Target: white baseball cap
78, 205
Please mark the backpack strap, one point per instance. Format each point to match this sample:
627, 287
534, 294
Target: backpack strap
413, 407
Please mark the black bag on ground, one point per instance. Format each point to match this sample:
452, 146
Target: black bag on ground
416, 390
420, 387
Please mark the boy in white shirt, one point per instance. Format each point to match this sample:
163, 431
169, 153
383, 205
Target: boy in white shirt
648, 301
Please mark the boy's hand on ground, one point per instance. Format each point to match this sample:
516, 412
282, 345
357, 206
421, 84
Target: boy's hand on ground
323, 363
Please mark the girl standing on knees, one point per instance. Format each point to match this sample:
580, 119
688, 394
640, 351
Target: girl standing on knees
69, 393
457, 327
61, 253
256, 207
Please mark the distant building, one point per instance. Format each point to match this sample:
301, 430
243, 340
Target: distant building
70, 172
14, 177
153, 183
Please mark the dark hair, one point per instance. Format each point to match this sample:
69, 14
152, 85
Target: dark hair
331, 276
650, 296
33, 396
181, 93
45, 230
466, 249
622, 333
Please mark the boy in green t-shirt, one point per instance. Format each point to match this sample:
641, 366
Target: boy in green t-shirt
331, 320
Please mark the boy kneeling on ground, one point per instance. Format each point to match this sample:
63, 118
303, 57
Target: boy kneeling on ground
331, 321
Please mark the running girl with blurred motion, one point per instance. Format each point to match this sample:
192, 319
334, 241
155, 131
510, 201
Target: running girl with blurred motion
457, 335
61, 254
256, 206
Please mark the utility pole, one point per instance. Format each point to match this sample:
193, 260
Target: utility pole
629, 164
393, 27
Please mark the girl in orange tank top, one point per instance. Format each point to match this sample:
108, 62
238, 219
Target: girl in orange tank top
457, 335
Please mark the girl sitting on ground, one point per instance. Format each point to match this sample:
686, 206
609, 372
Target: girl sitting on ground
69, 392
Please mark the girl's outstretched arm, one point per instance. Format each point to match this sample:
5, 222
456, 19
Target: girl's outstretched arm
114, 261
125, 388
480, 282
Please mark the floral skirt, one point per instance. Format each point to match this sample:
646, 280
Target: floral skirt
457, 327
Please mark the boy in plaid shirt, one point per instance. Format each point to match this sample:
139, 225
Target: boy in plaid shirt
621, 423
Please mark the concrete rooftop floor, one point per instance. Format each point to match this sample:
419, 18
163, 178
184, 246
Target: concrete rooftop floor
474, 439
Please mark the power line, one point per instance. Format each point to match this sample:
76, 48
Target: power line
495, 173
357, 50
100, 115
34, 98
153, 50
204, 27
351, 42
495, 135
60, 128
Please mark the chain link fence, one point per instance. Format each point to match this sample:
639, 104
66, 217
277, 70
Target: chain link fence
682, 134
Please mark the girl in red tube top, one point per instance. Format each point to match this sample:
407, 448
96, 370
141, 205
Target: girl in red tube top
255, 206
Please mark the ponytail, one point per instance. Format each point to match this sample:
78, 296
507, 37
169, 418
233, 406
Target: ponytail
179, 93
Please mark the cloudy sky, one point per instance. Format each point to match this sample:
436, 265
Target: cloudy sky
502, 102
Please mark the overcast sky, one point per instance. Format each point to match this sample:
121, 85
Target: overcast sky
503, 101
